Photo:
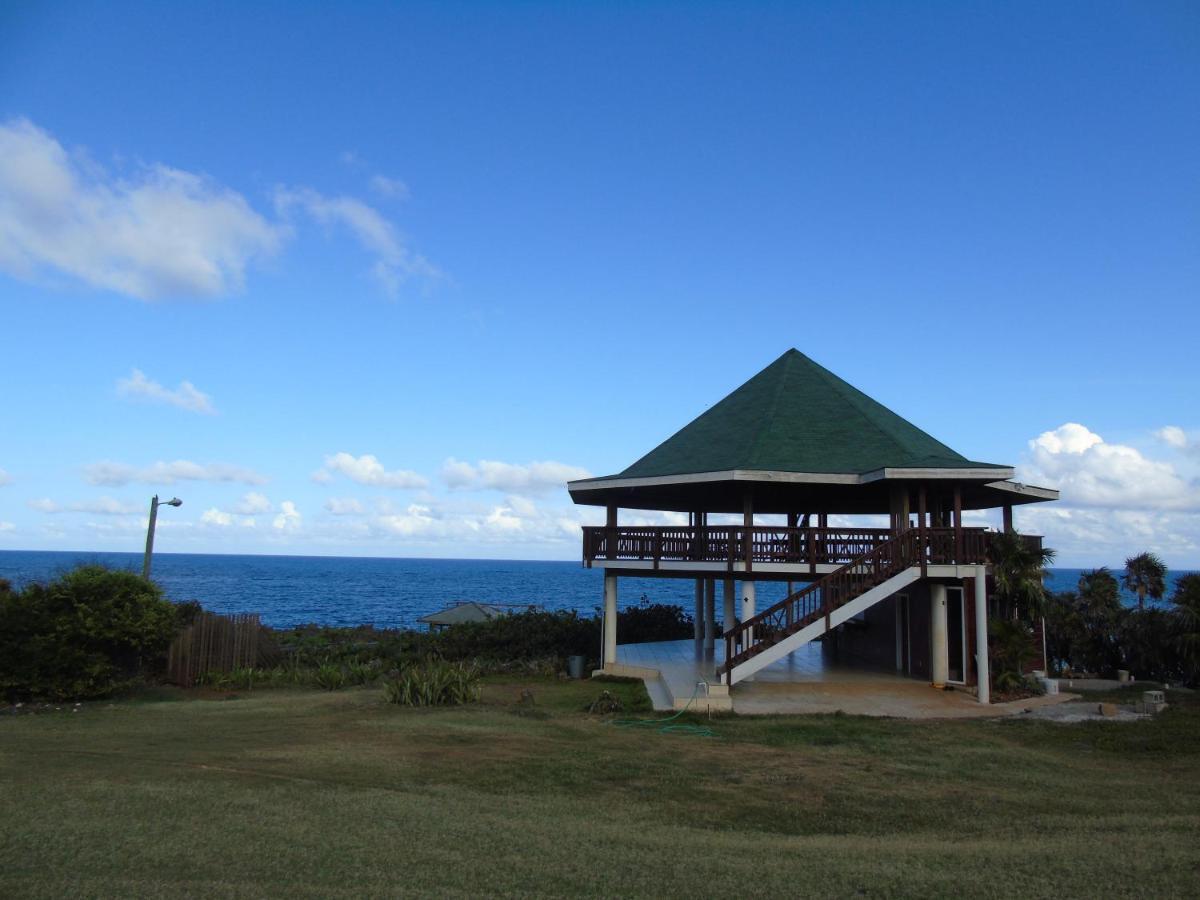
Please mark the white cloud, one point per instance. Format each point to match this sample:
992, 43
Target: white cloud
8, 526
154, 233
344, 506
214, 516
5, 478
1090, 472
416, 521
1173, 436
459, 525
186, 396
252, 504
392, 188
1091, 537
104, 506
288, 518
368, 470
111, 473
394, 262
533, 478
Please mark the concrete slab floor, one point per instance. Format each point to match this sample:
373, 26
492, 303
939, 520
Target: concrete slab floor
809, 681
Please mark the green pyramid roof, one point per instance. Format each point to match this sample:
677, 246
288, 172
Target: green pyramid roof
797, 416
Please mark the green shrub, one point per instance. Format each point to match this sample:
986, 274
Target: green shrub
362, 673
237, 679
1010, 644
85, 634
433, 683
329, 677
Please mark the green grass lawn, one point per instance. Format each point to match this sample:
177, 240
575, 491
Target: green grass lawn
300, 793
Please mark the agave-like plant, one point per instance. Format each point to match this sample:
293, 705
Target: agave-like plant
434, 683
329, 677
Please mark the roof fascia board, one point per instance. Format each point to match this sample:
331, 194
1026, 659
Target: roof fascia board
929, 474
1024, 490
597, 484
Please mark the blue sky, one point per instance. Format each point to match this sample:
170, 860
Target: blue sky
419, 263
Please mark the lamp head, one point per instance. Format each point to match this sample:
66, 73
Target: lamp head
174, 501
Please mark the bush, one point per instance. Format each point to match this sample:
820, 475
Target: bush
329, 677
433, 683
1010, 644
653, 622
82, 635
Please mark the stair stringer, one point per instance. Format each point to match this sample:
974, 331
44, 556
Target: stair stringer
811, 632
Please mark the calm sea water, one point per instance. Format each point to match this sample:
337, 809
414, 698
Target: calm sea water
290, 590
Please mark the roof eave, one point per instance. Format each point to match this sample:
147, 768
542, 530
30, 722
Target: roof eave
990, 473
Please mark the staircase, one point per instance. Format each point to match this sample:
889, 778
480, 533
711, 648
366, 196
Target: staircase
824, 604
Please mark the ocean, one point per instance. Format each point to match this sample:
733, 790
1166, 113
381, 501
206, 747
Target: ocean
332, 590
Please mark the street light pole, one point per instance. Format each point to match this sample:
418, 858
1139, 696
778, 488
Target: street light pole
154, 504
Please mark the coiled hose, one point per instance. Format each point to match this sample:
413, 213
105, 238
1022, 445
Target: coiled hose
664, 726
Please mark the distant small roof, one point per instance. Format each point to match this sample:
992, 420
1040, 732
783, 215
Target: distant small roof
467, 611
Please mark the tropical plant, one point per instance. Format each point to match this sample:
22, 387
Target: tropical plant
1145, 575
434, 682
362, 673
1144, 637
329, 677
1011, 647
1186, 614
1019, 572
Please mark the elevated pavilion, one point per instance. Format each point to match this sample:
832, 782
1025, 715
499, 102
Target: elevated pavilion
759, 476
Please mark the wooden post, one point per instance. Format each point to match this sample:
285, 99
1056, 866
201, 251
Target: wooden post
924, 531
748, 524
958, 523
610, 533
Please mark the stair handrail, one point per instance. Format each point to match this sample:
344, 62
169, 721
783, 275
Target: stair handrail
835, 588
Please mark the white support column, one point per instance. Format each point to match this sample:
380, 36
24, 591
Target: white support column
698, 618
710, 614
730, 612
748, 606
981, 635
610, 620
939, 648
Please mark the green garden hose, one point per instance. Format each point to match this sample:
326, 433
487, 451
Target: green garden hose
663, 726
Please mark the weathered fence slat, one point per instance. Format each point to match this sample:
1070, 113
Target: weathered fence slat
213, 643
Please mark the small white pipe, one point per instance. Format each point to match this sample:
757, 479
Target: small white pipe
981, 635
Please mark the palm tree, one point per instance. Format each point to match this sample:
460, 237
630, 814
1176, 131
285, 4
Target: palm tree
1145, 574
1186, 601
1099, 594
1019, 570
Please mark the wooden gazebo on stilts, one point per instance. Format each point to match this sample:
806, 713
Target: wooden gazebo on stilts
800, 445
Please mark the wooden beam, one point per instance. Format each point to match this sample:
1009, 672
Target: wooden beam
958, 523
610, 535
924, 532
748, 525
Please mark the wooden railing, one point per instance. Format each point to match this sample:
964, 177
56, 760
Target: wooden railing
916, 547
796, 546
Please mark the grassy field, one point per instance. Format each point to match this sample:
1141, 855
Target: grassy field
330, 795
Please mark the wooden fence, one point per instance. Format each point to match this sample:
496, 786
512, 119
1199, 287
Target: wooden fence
213, 643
